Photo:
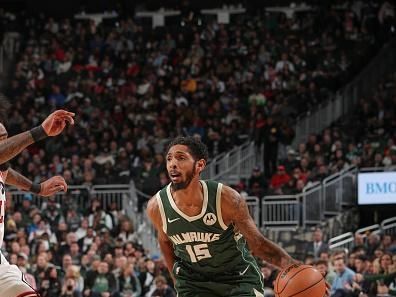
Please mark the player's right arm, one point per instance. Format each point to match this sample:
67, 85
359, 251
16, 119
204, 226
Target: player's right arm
52, 126
165, 244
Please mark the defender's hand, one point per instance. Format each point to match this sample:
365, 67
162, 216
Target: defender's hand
52, 186
56, 122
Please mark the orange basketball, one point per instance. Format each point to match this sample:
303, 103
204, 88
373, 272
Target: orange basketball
299, 280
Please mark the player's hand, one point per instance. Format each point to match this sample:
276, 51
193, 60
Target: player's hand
56, 122
52, 186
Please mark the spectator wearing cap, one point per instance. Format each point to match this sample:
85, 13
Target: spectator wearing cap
280, 178
290, 162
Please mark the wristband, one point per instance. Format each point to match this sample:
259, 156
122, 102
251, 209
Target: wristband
35, 188
38, 133
4, 166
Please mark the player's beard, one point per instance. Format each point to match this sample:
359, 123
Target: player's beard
184, 184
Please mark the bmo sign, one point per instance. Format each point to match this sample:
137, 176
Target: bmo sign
377, 188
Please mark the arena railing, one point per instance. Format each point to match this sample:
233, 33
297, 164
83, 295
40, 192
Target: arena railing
281, 212
253, 205
346, 240
230, 167
339, 190
342, 103
364, 232
314, 204
342, 241
389, 226
124, 196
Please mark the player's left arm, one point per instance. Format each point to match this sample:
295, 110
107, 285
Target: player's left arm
47, 188
234, 210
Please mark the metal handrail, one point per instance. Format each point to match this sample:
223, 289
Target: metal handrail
388, 224
341, 240
373, 229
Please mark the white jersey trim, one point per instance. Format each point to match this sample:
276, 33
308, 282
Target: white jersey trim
182, 214
218, 207
162, 212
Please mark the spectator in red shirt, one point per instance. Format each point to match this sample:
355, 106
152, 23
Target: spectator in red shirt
280, 178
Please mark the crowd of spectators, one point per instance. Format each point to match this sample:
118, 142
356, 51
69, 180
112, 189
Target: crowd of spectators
365, 138
74, 253
70, 252
133, 89
368, 269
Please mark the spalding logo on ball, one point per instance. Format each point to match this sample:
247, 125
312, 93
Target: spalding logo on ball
299, 280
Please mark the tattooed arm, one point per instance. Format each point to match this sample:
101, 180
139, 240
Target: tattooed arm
235, 210
12, 146
51, 126
47, 188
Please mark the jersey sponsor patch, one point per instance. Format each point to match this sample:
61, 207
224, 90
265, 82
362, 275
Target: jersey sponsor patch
210, 219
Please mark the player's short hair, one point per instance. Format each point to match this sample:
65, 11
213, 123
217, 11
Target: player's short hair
4, 107
196, 147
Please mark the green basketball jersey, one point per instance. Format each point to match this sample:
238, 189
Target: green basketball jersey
203, 243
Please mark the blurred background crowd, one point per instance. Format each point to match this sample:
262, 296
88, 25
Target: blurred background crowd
134, 88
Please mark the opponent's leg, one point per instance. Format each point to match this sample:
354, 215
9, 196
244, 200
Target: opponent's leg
13, 284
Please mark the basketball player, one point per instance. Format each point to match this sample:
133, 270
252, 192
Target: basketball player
205, 231
12, 283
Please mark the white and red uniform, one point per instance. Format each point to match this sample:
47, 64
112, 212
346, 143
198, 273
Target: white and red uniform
12, 281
